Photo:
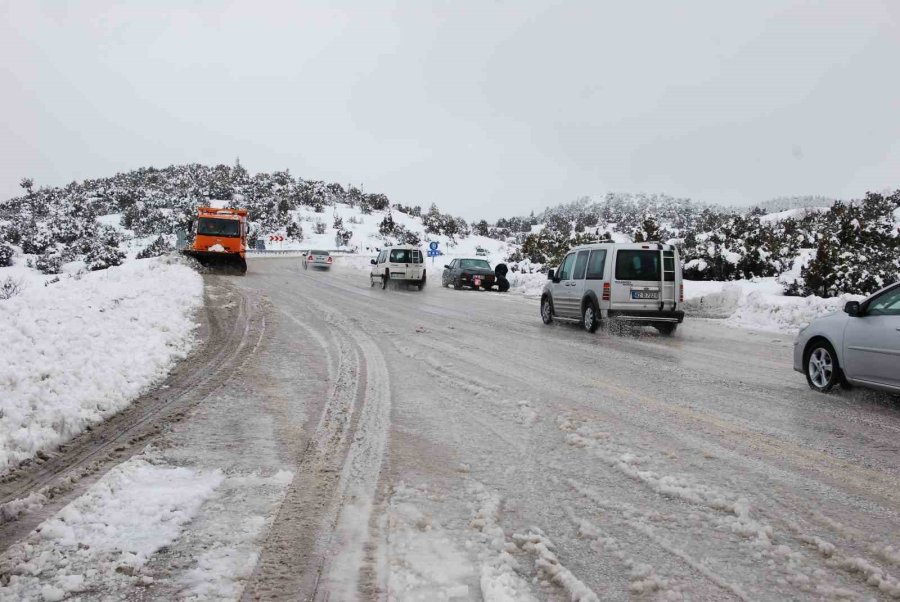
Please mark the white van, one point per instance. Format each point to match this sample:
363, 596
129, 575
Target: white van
635, 282
402, 263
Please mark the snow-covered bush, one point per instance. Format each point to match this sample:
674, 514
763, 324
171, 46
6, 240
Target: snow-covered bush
49, 262
6, 255
10, 287
158, 247
857, 249
104, 251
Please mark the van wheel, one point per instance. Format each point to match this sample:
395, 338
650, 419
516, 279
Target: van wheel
590, 317
422, 282
666, 328
821, 366
547, 310
384, 281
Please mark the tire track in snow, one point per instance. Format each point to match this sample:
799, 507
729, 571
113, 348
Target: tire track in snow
316, 546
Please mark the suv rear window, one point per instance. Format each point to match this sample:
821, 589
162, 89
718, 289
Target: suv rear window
637, 265
406, 256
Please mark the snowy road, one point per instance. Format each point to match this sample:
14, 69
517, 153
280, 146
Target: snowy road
370, 444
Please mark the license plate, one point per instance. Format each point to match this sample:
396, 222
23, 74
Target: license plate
477, 281
645, 294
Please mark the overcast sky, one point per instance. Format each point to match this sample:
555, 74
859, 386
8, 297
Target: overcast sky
486, 108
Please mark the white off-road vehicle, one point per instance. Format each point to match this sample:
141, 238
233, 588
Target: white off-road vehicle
635, 282
401, 264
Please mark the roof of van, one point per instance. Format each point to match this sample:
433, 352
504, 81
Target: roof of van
653, 245
406, 247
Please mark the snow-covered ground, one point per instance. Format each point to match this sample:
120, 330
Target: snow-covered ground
79, 349
103, 539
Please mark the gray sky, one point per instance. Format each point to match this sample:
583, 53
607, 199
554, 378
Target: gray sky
488, 109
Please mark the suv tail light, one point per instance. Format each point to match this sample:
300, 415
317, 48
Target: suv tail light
606, 291
681, 293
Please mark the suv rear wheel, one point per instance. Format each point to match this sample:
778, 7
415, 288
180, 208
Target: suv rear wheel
821, 366
590, 317
547, 310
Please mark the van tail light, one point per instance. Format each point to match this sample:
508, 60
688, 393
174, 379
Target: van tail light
606, 291
329, 260
681, 293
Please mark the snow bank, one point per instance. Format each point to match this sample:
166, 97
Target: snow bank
758, 304
76, 351
108, 534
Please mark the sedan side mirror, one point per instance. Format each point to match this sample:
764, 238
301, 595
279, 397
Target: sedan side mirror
373, 262
852, 308
550, 274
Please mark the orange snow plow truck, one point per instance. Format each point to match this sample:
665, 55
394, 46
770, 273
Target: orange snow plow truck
220, 239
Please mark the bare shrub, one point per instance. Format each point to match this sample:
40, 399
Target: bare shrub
10, 288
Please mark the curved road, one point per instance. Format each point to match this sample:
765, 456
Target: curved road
446, 444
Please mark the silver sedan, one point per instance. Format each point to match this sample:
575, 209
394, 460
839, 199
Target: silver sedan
317, 259
859, 346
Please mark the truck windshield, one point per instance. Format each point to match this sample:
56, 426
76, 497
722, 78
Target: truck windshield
209, 226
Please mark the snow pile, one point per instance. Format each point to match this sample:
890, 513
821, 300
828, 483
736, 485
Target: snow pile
107, 535
78, 350
757, 304
529, 285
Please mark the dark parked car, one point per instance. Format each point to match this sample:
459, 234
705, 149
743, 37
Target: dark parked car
474, 273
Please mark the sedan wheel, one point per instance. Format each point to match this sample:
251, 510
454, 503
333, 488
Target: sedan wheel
822, 370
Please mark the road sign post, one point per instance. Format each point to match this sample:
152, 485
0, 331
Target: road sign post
433, 250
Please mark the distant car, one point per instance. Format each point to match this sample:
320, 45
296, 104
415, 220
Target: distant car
402, 264
474, 273
639, 283
859, 346
317, 259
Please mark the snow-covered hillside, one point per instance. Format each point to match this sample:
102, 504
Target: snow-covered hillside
366, 234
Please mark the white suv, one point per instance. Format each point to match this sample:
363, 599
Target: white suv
403, 263
635, 282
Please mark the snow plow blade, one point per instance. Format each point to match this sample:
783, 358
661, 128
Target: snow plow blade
227, 263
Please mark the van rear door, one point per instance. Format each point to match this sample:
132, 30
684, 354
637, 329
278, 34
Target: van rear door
638, 276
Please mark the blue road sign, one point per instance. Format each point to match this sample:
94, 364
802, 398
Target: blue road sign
433, 252
433, 245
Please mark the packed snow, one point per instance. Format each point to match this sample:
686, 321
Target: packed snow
105, 537
79, 349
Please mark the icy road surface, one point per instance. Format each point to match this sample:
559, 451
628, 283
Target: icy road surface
446, 445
